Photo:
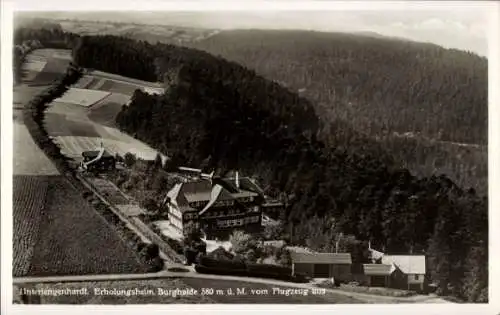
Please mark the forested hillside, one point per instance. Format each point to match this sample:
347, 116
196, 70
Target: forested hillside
431, 97
223, 115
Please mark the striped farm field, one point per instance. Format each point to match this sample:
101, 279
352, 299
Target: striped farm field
116, 77
64, 54
73, 239
73, 147
53, 69
82, 97
34, 63
118, 87
28, 201
68, 110
61, 125
85, 82
105, 111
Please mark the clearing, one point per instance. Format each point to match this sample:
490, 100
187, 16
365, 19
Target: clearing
53, 69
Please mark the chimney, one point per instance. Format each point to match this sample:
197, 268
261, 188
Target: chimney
237, 180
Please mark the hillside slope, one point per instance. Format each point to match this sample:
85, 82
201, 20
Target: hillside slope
381, 86
223, 115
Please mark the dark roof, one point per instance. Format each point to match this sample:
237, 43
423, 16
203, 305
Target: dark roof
321, 258
218, 194
211, 191
377, 269
246, 184
196, 190
93, 154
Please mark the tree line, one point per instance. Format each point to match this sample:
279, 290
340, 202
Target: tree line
226, 116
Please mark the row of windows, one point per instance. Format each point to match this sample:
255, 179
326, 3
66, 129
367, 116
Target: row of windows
246, 199
175, 212
177, 223
223, 213
230, 223
237, 222
224, 203
190, 216
197, 204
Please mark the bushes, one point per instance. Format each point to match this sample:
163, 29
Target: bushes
224, 264
239, 268
35, 114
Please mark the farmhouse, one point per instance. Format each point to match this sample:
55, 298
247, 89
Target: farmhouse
322, 265
105, 162
216, 205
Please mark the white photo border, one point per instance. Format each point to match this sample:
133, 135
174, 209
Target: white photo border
7, 9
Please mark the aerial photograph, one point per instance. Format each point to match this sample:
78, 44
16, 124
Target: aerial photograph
250, 157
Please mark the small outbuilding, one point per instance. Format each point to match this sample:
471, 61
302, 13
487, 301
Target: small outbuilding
377, 275
322, 265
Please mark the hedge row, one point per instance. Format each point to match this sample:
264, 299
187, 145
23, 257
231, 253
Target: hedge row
35, 114
239, 268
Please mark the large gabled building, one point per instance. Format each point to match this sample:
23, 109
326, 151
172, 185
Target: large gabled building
216, 205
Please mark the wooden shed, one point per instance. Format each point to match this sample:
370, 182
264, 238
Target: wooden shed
377, 275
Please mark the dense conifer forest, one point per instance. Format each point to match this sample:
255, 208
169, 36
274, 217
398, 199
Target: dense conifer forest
436, 99
222, 115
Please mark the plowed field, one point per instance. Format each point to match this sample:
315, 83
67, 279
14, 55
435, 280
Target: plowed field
59, 125
105, 111
82, 97
28, 202
74, 239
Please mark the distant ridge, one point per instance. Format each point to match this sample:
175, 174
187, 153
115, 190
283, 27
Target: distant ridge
378, 35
